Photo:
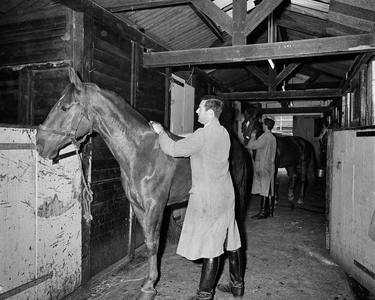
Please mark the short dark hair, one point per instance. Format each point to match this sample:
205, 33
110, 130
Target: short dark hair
269, 123
215, 103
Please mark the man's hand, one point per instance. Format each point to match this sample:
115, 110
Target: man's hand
254, 134
156, 127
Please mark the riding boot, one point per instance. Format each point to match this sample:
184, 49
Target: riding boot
210, 268
261, 207
236, 284
272, 208
265, 213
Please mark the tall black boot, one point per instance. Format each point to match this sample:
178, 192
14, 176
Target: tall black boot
265, 213
236, 284
272, 208
261, 208
210, 268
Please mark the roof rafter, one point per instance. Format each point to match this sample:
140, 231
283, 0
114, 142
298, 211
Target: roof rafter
261, 52
259, 14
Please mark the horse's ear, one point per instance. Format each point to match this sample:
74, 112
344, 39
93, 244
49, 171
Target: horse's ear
75, 79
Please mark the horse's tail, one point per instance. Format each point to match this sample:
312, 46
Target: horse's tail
312, 171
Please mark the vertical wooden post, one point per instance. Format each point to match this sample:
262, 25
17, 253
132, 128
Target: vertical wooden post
24, 97
167, 101
239, 22
134, 73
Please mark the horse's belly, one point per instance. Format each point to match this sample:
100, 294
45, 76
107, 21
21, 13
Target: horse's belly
181, 182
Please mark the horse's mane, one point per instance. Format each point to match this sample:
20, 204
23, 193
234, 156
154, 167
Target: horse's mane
120, 103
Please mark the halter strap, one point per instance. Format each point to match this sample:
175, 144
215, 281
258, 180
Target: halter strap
71, 133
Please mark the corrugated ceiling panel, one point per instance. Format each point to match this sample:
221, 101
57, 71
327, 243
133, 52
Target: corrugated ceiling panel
179, 27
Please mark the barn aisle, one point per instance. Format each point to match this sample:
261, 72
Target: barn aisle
286, 259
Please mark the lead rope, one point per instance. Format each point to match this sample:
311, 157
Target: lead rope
86, 194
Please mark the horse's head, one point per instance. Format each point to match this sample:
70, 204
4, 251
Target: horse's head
251, 123
67, 121
323, 136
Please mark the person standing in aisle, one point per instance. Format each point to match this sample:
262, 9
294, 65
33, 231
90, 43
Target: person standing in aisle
264, 166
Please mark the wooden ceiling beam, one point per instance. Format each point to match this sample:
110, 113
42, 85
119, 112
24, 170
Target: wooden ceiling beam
116, 6
294, 110
259, 74
313, 85
286, 72
259, 14
222, 19
259, 52
209, 23
283, 95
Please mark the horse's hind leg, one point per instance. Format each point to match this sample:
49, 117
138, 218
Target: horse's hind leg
151, 223
293, 176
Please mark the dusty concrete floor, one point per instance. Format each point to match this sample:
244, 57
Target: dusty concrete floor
286, 259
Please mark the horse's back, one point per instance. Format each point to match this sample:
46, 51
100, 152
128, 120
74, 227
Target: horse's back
293, 150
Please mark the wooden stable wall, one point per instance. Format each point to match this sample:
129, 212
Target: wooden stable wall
32, 78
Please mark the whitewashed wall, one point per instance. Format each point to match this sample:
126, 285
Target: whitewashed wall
40, 220
351, 194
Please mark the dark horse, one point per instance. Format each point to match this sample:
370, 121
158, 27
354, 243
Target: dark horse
150, 178
294, 153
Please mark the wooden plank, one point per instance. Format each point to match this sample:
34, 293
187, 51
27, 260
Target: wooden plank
251, 53
25, 286
131, 5
35, 14
16, 146
279, 95
105, 17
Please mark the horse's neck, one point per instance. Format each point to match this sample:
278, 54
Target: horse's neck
122, 130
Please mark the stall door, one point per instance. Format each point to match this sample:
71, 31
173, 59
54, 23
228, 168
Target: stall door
182, 106
40, 220
304, 126
351, 182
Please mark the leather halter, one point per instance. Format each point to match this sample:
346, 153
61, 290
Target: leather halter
71, 133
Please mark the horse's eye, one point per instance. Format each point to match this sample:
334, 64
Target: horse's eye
65, 108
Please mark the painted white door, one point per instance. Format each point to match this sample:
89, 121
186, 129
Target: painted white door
182, 106
351, 163
40, 220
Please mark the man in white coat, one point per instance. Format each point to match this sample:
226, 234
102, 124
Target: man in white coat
264, 166
210, 226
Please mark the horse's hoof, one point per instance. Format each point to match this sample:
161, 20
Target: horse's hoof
147, 295
300, 201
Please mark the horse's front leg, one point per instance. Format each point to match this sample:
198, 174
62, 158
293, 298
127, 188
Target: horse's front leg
150, 221
304, 169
